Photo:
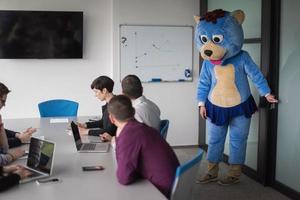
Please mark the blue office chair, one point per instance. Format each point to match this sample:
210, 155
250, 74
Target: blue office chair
185, 178
58, 108
164, 126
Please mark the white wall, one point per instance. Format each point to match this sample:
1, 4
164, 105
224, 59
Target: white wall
35, 80
177, 101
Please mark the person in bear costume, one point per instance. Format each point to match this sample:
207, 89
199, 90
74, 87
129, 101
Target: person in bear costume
223, 92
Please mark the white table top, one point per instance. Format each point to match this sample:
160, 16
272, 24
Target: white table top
75, 184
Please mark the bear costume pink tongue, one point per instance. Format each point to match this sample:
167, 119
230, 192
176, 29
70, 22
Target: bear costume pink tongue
216, 62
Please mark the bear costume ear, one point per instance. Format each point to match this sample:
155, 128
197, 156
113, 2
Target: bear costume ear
239, 15
197, 19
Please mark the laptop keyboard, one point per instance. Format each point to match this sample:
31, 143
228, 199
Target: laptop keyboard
88, 147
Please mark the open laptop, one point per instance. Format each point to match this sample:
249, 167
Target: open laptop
87, 147
90, 139
40, 159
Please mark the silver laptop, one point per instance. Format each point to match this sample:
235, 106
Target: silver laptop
87, 147
40, 159
91, 139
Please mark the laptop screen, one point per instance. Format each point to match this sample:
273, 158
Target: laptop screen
76, 135
40, 157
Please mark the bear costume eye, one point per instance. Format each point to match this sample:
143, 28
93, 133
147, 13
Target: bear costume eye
217, 38
203, 39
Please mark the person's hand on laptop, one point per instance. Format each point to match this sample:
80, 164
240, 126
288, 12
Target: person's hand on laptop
105, 137
11, 168
26, 135
81, 125
17, 169
83, 131
16, 153
22, 172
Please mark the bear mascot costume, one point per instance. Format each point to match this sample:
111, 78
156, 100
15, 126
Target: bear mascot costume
223, 91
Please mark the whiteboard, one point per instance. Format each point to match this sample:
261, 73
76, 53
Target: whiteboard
156, 53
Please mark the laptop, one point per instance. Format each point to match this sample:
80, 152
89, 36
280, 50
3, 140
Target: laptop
90, 139
40, 159
87, 147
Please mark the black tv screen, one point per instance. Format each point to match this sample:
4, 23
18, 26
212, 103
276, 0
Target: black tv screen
41, 34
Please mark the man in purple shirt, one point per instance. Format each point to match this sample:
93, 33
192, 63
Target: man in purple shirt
140, 150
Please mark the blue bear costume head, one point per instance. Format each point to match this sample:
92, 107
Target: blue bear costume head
219, 35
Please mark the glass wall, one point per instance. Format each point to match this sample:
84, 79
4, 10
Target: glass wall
288, 133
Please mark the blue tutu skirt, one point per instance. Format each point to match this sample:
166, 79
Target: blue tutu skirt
222, 116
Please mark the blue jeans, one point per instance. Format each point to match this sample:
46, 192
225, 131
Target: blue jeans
239, 131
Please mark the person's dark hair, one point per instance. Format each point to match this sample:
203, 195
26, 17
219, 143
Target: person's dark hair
132, 86
3, 89
120, 107
103, 82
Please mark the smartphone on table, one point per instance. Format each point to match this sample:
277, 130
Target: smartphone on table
92, 168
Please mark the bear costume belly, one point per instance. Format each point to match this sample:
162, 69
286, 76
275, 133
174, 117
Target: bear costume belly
225, 93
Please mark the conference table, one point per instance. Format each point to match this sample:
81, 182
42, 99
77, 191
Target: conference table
75, 184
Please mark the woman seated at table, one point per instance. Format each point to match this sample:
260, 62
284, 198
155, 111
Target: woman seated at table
103, 88
140, 150
15, 139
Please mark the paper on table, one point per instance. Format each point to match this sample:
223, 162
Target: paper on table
59, 120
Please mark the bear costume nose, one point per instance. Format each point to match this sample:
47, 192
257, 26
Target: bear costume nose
208, 52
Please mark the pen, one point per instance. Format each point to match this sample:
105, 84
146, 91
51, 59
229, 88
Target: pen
47, 180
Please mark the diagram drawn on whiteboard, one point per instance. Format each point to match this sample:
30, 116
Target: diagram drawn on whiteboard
157, 53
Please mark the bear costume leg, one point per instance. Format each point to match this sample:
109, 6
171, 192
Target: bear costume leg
239, 130
217, 136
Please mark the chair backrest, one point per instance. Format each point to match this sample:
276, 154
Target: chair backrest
185, 178
164, 126
58, 108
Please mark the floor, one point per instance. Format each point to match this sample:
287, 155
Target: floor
247, 189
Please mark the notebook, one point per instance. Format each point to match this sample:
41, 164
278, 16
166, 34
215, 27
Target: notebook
40, 159
87, 147
90, 139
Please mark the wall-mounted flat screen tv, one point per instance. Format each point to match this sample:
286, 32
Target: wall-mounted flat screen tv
41, 34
